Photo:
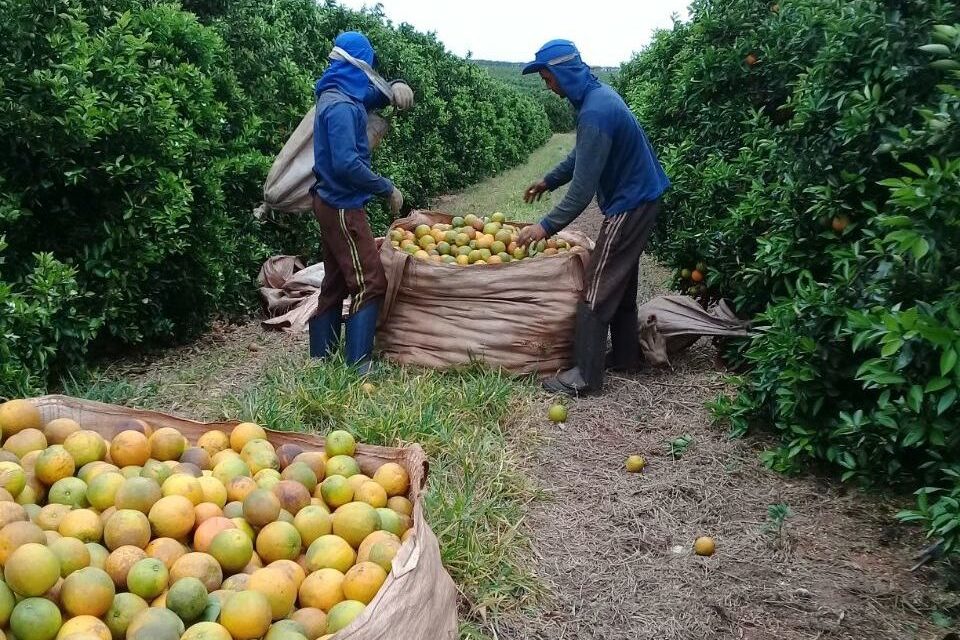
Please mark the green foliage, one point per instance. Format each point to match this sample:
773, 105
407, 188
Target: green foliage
137, 137
559, 111
814, 154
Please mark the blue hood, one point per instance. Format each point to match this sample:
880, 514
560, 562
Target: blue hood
562, 59
344, 76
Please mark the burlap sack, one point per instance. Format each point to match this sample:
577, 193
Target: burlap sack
518, 316
670, 324
417, 602
291, 177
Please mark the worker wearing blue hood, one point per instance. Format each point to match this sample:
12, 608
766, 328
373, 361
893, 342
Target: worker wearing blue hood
612, 161
345, 184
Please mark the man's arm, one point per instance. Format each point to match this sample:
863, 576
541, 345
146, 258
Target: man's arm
342, 134
593, 149
562, 173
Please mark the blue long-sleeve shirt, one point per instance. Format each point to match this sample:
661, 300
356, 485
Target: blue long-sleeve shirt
341, 152
612, 160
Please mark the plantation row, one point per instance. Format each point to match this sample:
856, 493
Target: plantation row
814, 147
137, 135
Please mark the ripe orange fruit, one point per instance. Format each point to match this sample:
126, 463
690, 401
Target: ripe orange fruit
751, 59
181, 484
172, 517
322, 589
213, 442
84, 524
277, 541
16, 534
316, 461
120, 561
355, 521
279, 589
312, 522
85, 446
840, 223
635, 464
198, 565
102, 490
84, 628
208, 530
246, 615
166, 444
244, 433
332, 552
696, 276
126, 527
129, 448
137, 493
54, 463
363, 581
704, 546
261, 507
57, 430
17, 415
72, 554
88, 591
206, 510
31, 570
400, 504
313, 621
293, 496
167, 550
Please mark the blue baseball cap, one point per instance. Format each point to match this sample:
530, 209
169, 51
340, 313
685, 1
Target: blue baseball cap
553, 53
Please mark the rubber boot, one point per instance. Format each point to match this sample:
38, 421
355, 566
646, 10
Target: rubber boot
589, 344
325, 331
361, 331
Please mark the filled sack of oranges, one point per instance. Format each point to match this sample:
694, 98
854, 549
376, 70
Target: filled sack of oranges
461, 290
123, 524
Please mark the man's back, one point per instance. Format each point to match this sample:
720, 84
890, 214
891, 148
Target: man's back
632, 175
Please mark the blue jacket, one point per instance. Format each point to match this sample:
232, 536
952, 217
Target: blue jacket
612, 160
341, 154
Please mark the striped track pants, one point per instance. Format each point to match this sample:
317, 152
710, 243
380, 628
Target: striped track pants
351, 260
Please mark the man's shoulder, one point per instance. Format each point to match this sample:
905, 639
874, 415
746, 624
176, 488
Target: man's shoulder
333, 102
602, 106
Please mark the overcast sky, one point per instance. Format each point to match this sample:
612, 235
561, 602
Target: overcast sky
607, 32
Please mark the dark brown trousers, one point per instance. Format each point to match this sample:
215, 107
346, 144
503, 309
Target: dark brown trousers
351, 260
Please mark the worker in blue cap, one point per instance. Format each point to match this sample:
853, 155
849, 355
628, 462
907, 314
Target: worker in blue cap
345, 183
612, 161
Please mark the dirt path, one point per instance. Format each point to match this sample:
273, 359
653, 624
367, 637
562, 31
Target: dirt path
614, 548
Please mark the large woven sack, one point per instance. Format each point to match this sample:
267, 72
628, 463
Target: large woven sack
517, 316
291, 177
417, 602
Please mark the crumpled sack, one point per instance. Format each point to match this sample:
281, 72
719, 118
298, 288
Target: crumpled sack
671, 324
290, 292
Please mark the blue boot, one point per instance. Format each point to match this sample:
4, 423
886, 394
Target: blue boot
325, 331
361, 330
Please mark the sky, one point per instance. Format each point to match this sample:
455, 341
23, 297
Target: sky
607, 32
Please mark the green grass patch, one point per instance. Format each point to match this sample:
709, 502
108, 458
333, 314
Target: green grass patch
504, 192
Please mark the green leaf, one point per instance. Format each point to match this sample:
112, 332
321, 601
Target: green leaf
945, 65
915, 399
920, 248
948, 361
912, 168
891, 348
937, 384
936, 49
946, 401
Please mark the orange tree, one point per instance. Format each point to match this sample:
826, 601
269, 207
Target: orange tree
136, 137
814, 150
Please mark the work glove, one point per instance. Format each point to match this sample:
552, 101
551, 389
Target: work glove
402, 95
396, 201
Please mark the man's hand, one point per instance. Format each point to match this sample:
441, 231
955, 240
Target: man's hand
396, 201
535, 191
402, 95
531, 233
